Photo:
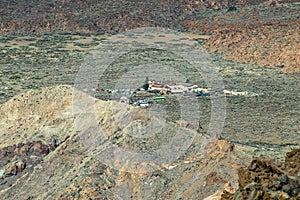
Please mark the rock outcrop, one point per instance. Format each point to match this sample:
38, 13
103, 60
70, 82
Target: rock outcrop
266, 179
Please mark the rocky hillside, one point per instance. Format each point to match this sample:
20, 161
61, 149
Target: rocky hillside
266, 179
271, 45
108, 16
260, 32
44, 157
263, 35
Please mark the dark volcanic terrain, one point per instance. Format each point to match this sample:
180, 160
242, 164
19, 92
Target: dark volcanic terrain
259, 32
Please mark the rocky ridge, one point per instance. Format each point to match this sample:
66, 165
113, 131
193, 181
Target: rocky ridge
38, 144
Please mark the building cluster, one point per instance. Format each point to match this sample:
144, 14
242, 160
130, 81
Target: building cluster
166, 88
171, 87
162, 88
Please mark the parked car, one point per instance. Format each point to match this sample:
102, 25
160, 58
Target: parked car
209, 93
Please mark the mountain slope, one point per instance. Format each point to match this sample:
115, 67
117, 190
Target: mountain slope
43, 157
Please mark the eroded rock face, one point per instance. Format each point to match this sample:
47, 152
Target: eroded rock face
255, 44
214, 178
292, 163
16, 168
36, 148
20, 160
266, 179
